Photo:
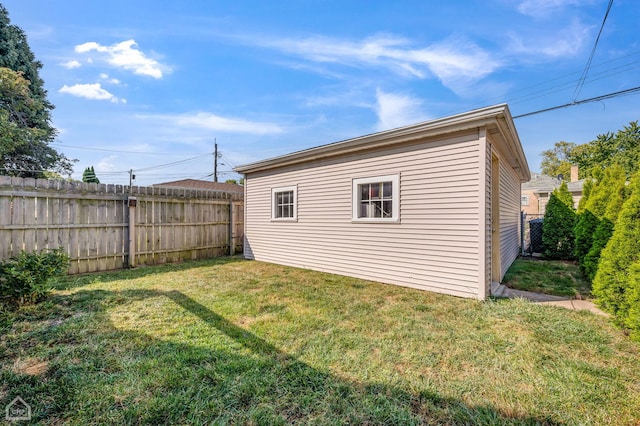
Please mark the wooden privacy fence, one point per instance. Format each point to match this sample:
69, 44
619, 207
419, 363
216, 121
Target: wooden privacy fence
105, 227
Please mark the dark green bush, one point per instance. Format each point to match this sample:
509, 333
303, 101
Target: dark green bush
557, 228
612, 283
601, 236
604, 201
26, 278
585, 227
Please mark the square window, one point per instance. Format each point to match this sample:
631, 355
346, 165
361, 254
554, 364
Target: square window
283, 203
376, 199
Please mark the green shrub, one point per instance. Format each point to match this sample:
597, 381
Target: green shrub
557, 228
26, 278
633, 299
611, 285
585, 227
587, 187
604, 200
601, 236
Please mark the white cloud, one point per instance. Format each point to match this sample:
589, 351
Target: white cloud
105, 76
539, 8
452, 61
72, 64
567, 42
126, 55
205, 120
91, 91
396, 110
108, 164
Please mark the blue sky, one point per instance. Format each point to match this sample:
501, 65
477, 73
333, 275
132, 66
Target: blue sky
140, 84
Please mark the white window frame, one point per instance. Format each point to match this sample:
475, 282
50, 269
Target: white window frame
395, 198
524, 200
274, 204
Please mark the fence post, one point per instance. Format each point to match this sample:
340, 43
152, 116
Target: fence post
523, 216
132, 201
232, 225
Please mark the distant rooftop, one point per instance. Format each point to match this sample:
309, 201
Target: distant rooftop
203, 184
544, 183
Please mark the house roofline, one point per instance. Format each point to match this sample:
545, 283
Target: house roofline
497, 117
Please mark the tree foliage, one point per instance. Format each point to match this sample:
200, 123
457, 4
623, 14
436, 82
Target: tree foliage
25, 112
613, 286
586, 225
633, 298
558, 225
597, 217
622, 148
89, 175
557, 161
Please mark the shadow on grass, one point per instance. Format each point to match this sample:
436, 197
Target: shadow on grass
73, 281
107, 375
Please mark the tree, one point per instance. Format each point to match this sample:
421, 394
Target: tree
557, 161
621, 148
604, 202
89, 175
25, 110
586, 225
558, 225
633, 298
231, 181
614, 287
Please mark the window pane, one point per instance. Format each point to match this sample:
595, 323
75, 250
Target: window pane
386, 192
364, 209
364, 192
286, 211
377, 208
387, 207
375, 190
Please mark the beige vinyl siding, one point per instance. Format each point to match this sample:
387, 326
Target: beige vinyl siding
435, 246
487, 219
509, 217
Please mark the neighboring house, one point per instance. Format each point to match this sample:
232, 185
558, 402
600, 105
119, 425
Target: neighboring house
203, 184
535, 193
433, 206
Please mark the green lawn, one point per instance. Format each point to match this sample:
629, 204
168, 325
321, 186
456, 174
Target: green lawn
557, 277
241, 342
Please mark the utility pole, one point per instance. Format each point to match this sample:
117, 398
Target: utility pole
215, 161
131, 177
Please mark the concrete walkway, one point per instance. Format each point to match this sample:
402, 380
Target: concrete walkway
500, 290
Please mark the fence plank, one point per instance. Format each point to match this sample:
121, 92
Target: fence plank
6, 213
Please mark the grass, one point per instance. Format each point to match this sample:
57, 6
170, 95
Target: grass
557, 277
229, 341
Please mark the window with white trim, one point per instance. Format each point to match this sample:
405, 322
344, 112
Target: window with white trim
284, 203
376, 199
524, 199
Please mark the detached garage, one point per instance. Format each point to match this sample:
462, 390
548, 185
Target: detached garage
433, 206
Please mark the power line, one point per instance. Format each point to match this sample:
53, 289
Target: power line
584, 101
583, 77
125, 152
174, 163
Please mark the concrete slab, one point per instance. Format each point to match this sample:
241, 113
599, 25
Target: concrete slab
578, 305
547, 299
